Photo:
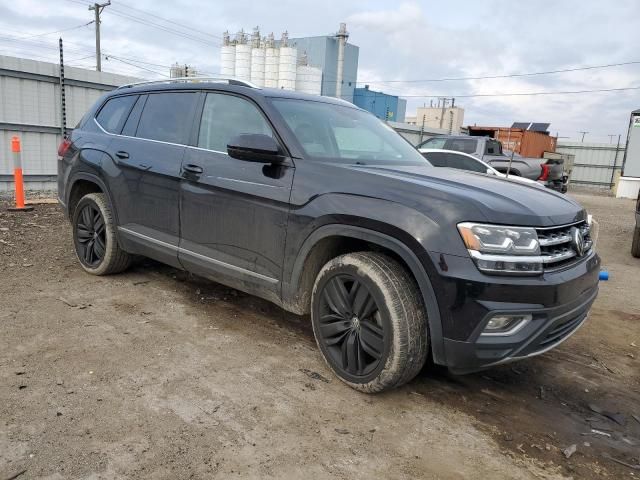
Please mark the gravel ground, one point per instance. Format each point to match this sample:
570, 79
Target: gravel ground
158, 374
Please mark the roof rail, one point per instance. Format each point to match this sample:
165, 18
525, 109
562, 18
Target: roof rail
229, 80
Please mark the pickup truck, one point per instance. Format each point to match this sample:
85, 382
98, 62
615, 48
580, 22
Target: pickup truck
548, 172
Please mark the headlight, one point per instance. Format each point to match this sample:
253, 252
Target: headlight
501, 249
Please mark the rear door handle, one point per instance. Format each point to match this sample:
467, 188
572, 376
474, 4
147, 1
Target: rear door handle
194, 169
121, 154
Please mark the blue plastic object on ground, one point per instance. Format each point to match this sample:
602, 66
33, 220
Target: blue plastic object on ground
604, 275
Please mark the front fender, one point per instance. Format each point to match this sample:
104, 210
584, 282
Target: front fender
418, 264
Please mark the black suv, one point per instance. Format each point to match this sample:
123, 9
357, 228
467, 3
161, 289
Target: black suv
319, 207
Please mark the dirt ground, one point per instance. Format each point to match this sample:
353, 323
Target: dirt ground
158, 374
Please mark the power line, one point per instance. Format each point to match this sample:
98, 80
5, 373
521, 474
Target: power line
510, 75
517, 94
57, 31
190, 28
137, 66
158, 26
143, 21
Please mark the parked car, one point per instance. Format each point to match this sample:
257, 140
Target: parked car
635, 244
319, 207
464, 161
548, 171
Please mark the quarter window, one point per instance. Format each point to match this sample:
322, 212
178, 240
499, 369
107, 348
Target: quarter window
167, 117
226, 116
114, 113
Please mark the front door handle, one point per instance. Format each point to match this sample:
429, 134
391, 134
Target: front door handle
193, 169
121, 154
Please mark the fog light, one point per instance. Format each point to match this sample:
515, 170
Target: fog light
506, 324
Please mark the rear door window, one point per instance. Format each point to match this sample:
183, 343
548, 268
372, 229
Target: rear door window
437, 159
114, 113
465, 145
167, 117
462, 162
226, 116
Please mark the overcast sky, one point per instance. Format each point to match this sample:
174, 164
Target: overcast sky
413, 40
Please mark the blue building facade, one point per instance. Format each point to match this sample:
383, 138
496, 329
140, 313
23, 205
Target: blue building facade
322, 52
382, 105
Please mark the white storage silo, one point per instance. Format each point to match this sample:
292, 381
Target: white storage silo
258, 66
309, 80
257, 58
271, 63
228, 60
243, 62
227, 56
287, 68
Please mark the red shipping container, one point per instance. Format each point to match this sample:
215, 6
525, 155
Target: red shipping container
524, 142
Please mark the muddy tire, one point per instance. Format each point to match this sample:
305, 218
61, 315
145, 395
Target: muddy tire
369, 321
635, 244
94, 237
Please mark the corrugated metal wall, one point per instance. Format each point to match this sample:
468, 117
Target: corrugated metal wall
414, 134
595, 163
30, 108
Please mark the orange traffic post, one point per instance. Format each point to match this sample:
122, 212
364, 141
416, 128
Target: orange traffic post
18, 180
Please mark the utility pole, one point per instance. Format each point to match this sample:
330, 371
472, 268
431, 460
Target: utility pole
583, 134
97, 8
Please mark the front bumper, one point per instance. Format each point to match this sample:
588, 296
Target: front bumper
559, 303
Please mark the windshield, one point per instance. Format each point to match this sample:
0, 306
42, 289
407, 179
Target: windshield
336, 133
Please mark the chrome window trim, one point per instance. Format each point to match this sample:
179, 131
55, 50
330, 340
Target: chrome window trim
180, 250
156, 141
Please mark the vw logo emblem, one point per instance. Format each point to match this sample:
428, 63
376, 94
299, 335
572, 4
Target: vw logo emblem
577, 240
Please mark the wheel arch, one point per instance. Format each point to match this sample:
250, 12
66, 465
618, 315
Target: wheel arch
82, 183
332, 240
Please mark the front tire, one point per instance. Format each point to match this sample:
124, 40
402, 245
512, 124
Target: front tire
369, 321
635, 245
94, 237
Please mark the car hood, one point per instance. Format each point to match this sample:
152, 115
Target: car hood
499, 200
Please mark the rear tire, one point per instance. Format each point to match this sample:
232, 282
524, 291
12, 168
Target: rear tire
369, 321
635, 244
94, 237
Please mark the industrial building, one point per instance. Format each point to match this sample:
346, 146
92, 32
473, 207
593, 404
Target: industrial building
384, 106
444, 115
31, 108
322, 65
181, 71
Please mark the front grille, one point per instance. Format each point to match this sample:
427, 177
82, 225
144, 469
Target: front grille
557, 245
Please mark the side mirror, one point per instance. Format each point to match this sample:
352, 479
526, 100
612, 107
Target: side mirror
490, 172
254, 148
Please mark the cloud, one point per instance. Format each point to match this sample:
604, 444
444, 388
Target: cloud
397, 40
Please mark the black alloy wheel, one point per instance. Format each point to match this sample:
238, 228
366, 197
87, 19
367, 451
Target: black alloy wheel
350, 326
90, 235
